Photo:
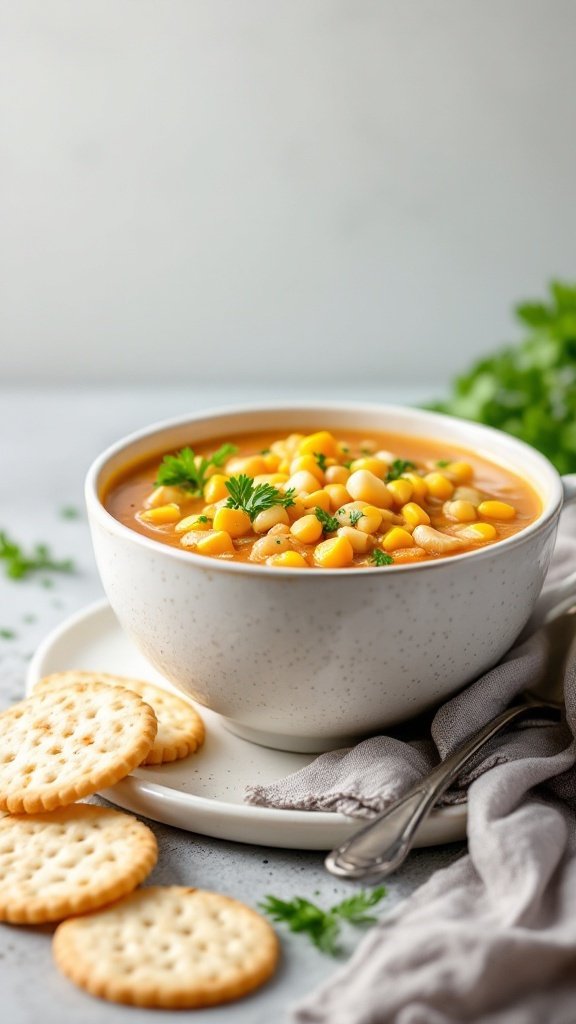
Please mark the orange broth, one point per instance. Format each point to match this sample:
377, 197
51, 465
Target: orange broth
127, 495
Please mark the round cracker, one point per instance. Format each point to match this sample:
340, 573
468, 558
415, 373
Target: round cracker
69, 861
180, 728
60, 745
168, 947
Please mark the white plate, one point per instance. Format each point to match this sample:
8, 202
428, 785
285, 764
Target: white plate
203, 793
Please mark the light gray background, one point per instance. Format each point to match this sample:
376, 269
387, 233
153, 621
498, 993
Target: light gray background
265, 190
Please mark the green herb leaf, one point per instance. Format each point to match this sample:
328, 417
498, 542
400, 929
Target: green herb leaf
529, 389
442, 463
355, 515
381, 557
320, 460
18, 565
398, 467
70, 512
322, 926
329, 523
188, 471
254, 499
354, 908
7, 634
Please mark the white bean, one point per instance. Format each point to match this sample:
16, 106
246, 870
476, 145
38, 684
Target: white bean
434, 542
270, 517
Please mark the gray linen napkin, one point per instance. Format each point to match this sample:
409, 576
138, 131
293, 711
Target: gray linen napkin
492, 938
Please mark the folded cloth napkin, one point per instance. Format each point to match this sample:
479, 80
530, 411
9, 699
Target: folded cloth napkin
492, 938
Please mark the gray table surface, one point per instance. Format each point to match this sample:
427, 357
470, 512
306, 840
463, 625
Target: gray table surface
47, 440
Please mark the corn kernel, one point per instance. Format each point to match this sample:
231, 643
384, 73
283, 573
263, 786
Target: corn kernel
372, 464
284, 467
162, 515
397, 538
401, 491
307, 462
370, 519
322, 442
338, 495
234, 521
215, 489
288, 560
414, 514
251, 465
439, 486
459, 472
318, 499
272, 461
335, 553
365, 486
419, 488
308, 529
336, 475
461, 511
271, 478
217, 543
193, 523
480, 532
496, 510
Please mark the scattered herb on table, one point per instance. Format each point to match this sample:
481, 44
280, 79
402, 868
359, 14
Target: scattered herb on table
398, 467
529, 389
69, 512
188, 470
7, 634
329, 523
18, 564
381, 557
323, 926
255, 498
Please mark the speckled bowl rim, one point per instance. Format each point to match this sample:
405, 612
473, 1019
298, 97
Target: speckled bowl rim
552, 503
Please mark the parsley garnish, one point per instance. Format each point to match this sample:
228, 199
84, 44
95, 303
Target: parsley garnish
69, 512
398, 467
529, 389
329, 523
355, 515
442, 463
381, 557
254, 499
323, 926
188, 471
321, 460
203, 519
18, 564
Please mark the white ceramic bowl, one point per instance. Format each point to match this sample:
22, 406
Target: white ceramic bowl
312, 659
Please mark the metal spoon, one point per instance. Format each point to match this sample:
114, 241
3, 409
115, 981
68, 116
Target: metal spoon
382, 845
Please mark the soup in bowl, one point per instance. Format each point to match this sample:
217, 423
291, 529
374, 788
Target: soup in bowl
317, 573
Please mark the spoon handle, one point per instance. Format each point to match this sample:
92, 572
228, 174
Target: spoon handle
379, 848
